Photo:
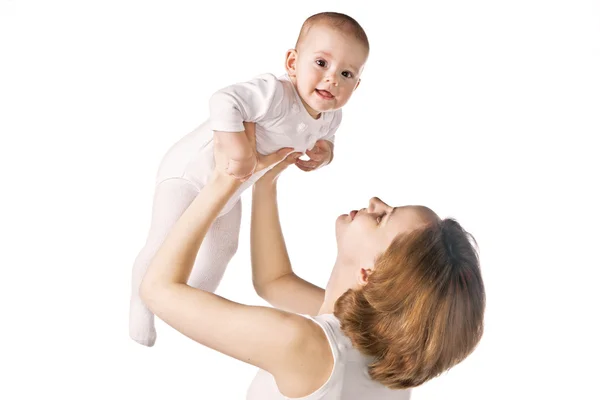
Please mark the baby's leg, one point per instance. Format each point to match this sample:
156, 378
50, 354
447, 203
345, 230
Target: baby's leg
171, 198
217, 249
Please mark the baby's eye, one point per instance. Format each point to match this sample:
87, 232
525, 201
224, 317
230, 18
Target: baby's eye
321, 63
347, 74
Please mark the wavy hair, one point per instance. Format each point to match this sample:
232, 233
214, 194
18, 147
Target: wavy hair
421, 310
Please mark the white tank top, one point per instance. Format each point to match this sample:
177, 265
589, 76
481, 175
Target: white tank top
349, 379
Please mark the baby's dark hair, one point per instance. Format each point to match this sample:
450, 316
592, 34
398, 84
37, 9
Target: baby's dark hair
421, 311
338, 21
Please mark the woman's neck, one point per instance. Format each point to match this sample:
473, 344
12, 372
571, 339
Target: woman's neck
327, 307
339, 283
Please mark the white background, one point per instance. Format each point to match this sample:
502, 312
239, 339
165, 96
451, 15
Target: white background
485, 111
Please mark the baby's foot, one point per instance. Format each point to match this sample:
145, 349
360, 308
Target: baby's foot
141, 324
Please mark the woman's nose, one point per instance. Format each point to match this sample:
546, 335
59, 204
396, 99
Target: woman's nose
374, 204
377, 205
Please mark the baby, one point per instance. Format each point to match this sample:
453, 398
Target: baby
299, 110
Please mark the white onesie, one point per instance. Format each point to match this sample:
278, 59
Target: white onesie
281, 121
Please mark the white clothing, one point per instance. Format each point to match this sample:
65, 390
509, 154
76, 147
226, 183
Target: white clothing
349, 379
281, 121
171, 198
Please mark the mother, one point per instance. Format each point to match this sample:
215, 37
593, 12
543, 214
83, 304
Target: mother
404, 303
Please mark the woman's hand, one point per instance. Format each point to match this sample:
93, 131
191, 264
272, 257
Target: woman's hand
272, 176
262, 162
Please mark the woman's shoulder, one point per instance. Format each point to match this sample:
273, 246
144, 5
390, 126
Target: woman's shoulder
330, 325
315, 355
331, 367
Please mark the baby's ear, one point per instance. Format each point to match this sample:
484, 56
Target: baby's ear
290, 61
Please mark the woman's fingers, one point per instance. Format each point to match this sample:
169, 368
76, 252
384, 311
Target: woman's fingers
274, 173
307, 165
268, 160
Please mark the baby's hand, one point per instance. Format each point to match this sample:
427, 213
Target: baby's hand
320, 155
242, 169
239, 158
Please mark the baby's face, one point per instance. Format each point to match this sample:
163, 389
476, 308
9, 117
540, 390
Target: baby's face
327, 68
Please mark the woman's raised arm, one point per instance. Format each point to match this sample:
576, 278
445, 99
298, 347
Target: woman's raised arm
272, 274
277, 341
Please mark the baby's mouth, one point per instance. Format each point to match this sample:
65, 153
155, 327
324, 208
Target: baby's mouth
325, 94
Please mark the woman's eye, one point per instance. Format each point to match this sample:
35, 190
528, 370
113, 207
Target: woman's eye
320, 63
347, 74
379, 219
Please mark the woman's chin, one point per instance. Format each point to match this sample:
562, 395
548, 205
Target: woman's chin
341, 223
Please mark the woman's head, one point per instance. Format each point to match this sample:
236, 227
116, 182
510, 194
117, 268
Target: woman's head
416, 297
364, 234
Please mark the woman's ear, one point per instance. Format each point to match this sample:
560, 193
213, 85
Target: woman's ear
363, 276
290, 62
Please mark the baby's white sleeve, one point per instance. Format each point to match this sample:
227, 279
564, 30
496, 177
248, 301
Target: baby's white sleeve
335, 124
251, 101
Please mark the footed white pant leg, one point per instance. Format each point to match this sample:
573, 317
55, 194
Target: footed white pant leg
218, 247
172, 197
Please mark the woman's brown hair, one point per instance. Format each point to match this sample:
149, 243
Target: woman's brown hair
421, 311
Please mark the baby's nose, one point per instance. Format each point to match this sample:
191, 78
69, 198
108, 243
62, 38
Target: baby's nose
331, 78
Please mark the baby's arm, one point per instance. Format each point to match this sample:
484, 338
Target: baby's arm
329, 143
330, 138
322, 152
242, 160
253, 101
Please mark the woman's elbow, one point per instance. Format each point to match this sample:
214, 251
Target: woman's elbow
257, 288
261, 290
